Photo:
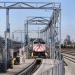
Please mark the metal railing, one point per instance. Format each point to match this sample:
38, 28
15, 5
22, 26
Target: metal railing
57, 69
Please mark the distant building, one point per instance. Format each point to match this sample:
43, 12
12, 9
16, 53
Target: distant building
67, 41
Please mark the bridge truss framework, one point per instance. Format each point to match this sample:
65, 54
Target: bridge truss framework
50, 29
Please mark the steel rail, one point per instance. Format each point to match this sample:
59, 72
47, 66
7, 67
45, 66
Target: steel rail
69, 58
69, 53
30, 69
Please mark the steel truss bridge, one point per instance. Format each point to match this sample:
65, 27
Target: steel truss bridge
52, 31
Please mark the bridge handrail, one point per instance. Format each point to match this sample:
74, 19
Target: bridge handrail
57, 69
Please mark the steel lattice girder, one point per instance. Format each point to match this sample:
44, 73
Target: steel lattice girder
38, 20
28, 5
53, 19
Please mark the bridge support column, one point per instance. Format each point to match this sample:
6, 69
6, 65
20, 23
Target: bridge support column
26, 33
7, 35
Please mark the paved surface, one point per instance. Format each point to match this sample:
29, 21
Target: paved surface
70, 69
18, 68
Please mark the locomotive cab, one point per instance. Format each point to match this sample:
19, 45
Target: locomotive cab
39, 49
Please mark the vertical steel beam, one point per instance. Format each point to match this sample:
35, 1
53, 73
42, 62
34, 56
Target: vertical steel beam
54, 24
51, 33
60, 31
26, 37
50, 42
7, 23
26, 33
46, 36
21, 40
7, 35
5, 54
43, 35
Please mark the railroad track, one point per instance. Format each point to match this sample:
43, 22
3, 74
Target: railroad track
69, 58
31, 68
69, 52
